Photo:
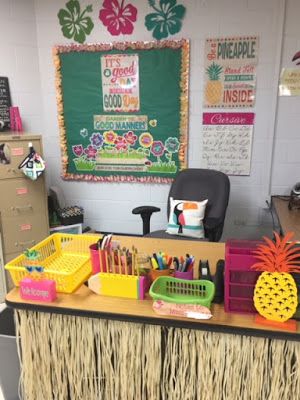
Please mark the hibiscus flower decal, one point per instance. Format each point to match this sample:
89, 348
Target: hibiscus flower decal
74, 23
90, 151
167, 20
96, 139
118, 17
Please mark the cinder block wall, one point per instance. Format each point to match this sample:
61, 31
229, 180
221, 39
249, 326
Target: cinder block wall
28, 31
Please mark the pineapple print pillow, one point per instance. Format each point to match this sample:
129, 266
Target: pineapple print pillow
186, 218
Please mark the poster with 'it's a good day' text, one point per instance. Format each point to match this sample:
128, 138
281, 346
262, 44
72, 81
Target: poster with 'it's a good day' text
120, 82
230, 72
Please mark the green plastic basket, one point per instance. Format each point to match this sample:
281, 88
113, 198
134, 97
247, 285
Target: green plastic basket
182, 291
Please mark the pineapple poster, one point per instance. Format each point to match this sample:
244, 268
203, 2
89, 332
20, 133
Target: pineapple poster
230, 71
123, 110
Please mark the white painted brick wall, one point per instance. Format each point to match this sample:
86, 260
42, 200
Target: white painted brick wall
286, 162
19, 59
34, 24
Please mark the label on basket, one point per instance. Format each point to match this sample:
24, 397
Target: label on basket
17, 151
25, 227
22, 190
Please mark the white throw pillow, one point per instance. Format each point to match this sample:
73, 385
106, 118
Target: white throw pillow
186, 218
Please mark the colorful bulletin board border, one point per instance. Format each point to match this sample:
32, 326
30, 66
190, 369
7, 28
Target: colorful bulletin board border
230, 71
134, 129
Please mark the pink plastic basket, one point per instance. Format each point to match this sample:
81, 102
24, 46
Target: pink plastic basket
240, 279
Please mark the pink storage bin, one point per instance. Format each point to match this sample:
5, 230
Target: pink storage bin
240, 279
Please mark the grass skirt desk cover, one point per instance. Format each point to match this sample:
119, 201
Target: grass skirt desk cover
90, 347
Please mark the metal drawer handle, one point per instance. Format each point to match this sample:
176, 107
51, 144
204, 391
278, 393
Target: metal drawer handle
21, 208
24, 244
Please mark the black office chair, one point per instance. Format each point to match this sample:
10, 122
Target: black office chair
195, 185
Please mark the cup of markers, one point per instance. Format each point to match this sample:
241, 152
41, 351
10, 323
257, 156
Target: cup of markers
184, 267
160, 263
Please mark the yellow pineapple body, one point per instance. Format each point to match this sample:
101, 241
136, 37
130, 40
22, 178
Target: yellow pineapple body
275, 296
213, 92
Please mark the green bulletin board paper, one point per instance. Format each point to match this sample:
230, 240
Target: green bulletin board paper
146, 144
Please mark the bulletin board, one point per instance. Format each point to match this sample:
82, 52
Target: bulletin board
123, 110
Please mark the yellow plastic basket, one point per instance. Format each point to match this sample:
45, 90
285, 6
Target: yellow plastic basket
65, 258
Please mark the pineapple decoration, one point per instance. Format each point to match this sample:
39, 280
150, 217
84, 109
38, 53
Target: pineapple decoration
214, 87
32, 263
275, 293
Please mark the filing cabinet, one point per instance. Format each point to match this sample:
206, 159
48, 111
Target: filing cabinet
23, 202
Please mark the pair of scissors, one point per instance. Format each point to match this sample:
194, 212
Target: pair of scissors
104, 242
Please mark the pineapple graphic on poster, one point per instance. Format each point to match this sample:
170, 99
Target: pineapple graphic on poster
230, 72
275, 293
214, 87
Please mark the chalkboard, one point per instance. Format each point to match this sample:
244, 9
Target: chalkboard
123, 110
5, 102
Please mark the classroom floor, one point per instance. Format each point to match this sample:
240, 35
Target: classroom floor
2, 306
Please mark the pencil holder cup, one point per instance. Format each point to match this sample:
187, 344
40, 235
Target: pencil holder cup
189, 275
156, 273
98, 259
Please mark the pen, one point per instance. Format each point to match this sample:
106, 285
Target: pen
154, 263
176, 263
160, 261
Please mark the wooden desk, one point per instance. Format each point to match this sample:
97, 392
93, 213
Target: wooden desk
93, 347
289, 220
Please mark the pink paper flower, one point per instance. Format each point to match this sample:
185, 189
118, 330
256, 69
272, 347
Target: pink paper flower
77, 150
117, 18
130, 138
109, 137
157, 148
90, 151
120, 143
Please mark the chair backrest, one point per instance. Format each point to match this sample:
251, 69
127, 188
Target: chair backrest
201, 184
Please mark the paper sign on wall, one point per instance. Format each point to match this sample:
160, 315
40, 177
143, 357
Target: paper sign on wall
230, 71
289, 82
227, 142
120, 82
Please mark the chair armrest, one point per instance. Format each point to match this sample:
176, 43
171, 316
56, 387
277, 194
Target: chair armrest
145, 212
213, 228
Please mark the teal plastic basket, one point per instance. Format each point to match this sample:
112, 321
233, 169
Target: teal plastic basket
182, 291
